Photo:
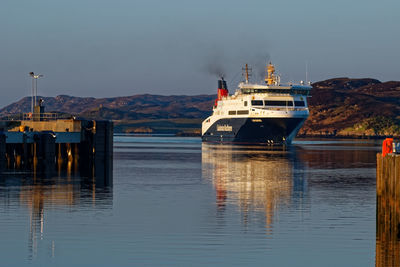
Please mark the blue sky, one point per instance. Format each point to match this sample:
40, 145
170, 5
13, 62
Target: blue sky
114, 48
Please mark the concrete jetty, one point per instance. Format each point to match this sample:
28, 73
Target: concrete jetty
41, 144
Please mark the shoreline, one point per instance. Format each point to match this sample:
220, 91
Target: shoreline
191, 134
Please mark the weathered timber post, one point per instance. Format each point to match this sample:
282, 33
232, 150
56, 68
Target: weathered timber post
86, 149
69, 152
48, 151
25, 155
103, 152
62, 155
76, 156
30, 154
388, 210
37, 153
2, 151
10, 156
18, 151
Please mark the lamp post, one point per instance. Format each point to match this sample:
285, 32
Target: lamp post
35, 77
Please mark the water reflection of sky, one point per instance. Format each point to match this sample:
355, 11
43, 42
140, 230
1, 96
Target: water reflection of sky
176, 201
37, 197
322, 190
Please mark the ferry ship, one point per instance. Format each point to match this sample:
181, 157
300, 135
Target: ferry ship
267, 113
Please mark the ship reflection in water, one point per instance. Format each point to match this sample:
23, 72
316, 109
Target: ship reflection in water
46, 192
255, 179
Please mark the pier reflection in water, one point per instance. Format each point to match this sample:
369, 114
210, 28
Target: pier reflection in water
256, 179
387, 252
50, 191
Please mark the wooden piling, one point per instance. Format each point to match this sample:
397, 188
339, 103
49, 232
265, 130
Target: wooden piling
2, 151
18, 156
48, 152
103, 151
388, 210
10, 152
25, 153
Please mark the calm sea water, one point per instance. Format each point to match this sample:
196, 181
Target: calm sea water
178, 202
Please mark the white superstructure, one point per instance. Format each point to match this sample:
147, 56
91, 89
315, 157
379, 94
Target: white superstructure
274, 110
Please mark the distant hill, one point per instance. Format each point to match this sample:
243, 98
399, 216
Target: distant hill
338, 107
122, 108
354, 107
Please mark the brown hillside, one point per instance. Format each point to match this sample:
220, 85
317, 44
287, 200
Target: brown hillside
338, 107
357, 107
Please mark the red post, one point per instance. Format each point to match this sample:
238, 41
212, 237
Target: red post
387, 146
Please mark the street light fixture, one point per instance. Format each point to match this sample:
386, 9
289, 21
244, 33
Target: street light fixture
35, 77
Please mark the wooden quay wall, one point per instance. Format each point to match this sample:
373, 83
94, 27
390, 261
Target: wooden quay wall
388, 210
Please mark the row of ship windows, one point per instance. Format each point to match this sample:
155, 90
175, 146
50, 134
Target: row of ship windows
277, 91
277, 103
239, 112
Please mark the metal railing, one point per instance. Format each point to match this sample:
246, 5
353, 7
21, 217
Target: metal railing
39, 116
283, 108
31, 117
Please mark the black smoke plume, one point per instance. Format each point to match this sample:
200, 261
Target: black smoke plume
215, 63
258, 64
215, 68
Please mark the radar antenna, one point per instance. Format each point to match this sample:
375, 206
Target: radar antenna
271, 77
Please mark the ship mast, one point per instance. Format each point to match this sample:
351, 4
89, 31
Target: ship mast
247, 73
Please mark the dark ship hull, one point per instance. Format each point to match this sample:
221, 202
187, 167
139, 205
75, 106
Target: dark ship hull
253, 130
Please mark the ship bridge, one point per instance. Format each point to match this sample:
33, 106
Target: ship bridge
265, 89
